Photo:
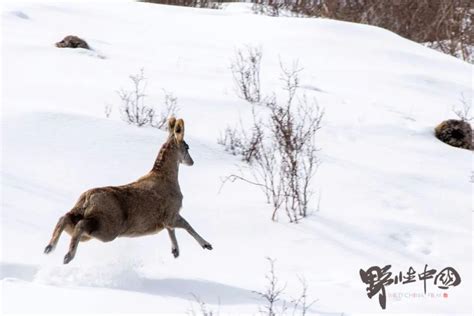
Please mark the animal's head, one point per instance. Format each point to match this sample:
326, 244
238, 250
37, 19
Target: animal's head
176, 130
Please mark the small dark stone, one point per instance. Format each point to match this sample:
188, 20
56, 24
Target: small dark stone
456, 133
72, 41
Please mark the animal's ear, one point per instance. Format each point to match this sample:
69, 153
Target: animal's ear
171, 124
179, 130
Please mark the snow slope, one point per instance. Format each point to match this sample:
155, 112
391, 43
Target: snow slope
390, 192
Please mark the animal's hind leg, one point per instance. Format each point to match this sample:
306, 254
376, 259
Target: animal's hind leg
62, 223
83, 226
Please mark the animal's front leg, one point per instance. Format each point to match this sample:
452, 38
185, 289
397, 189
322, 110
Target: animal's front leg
174, 242
182, 223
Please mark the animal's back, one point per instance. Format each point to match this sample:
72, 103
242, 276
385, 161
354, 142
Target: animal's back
129, 210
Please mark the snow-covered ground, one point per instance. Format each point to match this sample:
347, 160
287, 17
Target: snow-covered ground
391, 193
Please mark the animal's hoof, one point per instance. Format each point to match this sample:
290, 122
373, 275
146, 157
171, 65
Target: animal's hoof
207, 246
175, 252
67, 258
48, 249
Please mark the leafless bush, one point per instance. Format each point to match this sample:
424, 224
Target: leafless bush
209, 4
274, 302
231, 142
203, 309
257, 149
463, 111
107, 110
441, 24
137, 112
246, 73
303, 303
134, 109
294, 129
273, 296
272, 8
454, 47
453, 29
170, 108
238, 142
280, 148
272, 293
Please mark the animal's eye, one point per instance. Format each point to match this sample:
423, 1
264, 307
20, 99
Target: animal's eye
186, 146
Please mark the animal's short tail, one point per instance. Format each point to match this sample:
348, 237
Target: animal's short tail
75, 216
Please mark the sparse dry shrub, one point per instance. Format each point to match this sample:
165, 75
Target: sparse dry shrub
246, 73
302, 303
464, 110
458, 133
209, 4
445, 25
273, 296
203, 309
280, 148
239, 142
272, 8
170, 108
107, 110
136, 111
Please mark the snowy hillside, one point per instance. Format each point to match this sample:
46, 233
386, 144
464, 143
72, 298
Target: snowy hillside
391, 193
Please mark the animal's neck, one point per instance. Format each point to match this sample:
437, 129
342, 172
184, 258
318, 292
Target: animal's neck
166, 164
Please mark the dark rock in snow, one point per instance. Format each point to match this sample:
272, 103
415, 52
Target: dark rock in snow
456, 133
72, 41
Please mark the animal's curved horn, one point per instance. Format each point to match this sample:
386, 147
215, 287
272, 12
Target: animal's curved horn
171, 124
179, 130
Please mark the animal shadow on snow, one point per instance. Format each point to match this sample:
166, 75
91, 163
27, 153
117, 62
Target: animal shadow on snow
208, 291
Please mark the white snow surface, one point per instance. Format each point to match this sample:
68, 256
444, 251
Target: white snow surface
390, 192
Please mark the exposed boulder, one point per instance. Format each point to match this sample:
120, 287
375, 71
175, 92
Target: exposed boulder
72, 41
456, 133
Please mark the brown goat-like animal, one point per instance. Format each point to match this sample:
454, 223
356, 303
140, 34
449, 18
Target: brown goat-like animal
144, 207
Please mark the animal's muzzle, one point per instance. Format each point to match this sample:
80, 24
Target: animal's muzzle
188, 161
